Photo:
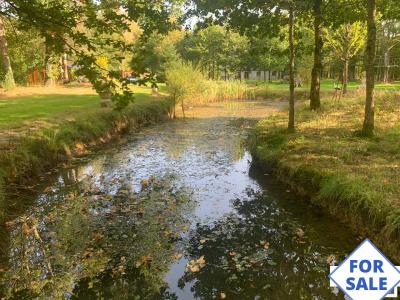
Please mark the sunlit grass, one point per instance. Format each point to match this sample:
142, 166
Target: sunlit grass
326, 155
39, 111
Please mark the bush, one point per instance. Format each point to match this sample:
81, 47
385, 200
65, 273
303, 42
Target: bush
184, 83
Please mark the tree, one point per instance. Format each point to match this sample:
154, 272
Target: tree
267, 53
369, 118
9, 82
345, 42
291, 127
215, 50
258, 18
153, 54
389, 38
183, 82
65, 25
26, 49
315, 97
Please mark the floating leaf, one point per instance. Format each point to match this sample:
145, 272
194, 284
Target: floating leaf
196, 265
147, 259
178, 256
331, 259
300, 232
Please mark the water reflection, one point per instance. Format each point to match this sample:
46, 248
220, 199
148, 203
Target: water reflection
97, 240
126, 223
258, 252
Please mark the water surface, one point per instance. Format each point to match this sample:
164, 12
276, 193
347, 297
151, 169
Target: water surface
177, 211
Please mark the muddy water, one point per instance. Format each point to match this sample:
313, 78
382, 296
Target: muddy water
176, 212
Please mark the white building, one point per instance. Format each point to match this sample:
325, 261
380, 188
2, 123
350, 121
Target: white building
255, 75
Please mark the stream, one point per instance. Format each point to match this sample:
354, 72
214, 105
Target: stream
177, 211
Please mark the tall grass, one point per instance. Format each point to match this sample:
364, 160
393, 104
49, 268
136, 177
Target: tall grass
219, 91
356, 178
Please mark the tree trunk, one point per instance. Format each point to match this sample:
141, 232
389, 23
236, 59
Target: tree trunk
345, 75
9, 82
183, 109
369, 122
387, 67
50, 62
315, 98
49, 72
291, 70
174, 108
65, 68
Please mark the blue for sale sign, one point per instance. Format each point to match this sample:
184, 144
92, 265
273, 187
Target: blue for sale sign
366, 274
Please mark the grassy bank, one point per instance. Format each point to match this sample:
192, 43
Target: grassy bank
53, 129
356, 178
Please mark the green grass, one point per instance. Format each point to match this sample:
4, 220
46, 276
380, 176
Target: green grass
74, 123
326, 85
47, 110
357, 178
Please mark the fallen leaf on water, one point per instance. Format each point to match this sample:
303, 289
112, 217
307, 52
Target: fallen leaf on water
222, 296
202, 241
47, 189
201, 261
196, 265
9, 223
147, 259
331, 259
25, 229
178, 256
88, 253
194, 268
144, 183
97, 236
232, 253
300, 232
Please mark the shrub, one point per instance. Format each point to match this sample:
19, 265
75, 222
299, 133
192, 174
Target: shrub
184, 83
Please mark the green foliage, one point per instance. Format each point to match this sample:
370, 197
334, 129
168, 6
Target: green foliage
346, 41
216, 50
26, 50
184, 82
85, 29
268, 53
152, 54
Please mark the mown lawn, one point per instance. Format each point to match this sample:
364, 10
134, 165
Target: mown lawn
345, 171
326, 85
39, 132
43, 111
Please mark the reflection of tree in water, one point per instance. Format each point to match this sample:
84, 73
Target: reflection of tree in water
258, 254
97, 245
